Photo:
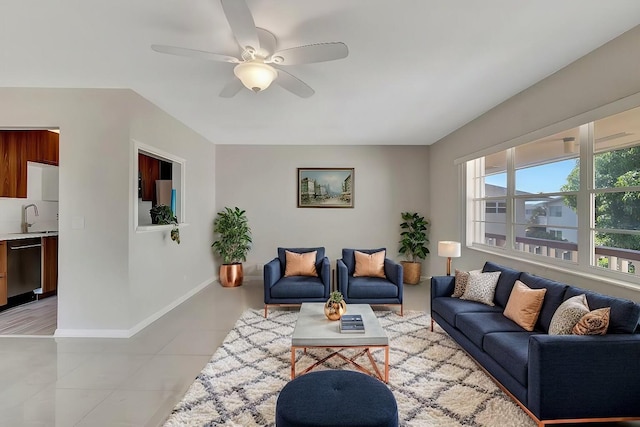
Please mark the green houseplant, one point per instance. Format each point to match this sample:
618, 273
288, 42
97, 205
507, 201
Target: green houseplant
233, 244
413, 245
163, 215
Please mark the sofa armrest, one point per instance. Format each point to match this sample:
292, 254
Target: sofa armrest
342, 277
574, 376
393, 271
272, 273
325, 275
442, 286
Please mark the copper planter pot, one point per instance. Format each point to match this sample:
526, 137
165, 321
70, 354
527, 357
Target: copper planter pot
411, 272
231, 275
334, 310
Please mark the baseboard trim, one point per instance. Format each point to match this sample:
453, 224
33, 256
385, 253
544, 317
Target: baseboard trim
128, 333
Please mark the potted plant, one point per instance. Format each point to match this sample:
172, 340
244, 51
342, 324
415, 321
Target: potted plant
413, 245
335, 306
232, 245
163, 215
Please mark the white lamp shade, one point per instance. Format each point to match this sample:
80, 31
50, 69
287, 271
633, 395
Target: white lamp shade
448, 248
255, 75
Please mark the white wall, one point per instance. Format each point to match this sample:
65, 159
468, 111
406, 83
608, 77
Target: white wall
100, 287
263, 181
608, 74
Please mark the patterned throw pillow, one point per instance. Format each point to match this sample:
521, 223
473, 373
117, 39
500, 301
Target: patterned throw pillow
568, 314
481, 287
300, 264
524, 305
369, 265
462, 277
595, 322
461, 283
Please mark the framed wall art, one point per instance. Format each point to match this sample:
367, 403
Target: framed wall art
325, 187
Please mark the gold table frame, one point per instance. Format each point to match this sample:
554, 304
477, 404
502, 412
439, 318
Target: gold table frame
351, 360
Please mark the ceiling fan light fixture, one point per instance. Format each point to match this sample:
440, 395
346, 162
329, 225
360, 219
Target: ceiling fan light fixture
255, 75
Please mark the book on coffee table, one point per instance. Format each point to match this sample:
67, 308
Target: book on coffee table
351, 323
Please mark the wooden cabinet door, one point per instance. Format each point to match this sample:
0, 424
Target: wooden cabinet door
3, 273
49, 264
149, 169
19, 147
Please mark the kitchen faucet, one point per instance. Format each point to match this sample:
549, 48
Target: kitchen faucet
25, 223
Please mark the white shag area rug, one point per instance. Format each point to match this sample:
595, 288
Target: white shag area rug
433, 380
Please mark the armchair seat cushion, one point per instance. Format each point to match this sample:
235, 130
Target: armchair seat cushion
298, 287
371, 287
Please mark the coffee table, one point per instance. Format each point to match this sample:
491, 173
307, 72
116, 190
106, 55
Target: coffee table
314, 330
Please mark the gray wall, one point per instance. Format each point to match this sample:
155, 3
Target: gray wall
567, 98
263, 181
113, 280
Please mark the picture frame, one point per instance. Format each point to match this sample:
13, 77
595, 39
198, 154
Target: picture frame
326, 187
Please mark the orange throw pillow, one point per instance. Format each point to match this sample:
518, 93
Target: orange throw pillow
300, 264
369, 265
524, 305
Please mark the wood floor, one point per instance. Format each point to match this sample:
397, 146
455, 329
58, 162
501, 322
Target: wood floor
33, 318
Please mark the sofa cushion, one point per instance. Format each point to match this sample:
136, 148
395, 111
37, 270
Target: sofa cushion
481, 287
349, 258
460, 284
524, 305
511, 351
303, 264
595, 322
508, 277
624, 313
282, 255
298, 287
449, 308
371, 288
369, 265
568, 314
476, 325
552, 299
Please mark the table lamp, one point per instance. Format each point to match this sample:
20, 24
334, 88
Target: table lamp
450, 250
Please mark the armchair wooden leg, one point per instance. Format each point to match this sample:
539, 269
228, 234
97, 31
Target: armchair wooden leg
431, 325
401, 309
265, 311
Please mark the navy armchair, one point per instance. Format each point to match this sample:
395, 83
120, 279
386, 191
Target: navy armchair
381, 289
299, 284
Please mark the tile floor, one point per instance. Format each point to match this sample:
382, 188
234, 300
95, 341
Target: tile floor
126, 382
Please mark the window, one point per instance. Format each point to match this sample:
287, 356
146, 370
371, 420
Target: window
159, 179
555, 211
536, 199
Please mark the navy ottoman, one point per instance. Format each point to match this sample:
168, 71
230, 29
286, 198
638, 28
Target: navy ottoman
336, 398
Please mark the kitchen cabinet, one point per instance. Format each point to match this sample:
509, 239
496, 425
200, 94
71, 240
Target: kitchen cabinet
49, 265
17, 147
3, 273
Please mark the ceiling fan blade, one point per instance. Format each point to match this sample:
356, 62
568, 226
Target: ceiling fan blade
241, 23
231, 88
293, 84
191, 53
319, 52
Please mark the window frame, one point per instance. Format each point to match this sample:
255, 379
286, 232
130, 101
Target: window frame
181, 212
586, 263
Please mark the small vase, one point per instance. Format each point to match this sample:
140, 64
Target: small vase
334, 310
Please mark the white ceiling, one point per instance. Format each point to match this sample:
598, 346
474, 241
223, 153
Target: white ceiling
416, 71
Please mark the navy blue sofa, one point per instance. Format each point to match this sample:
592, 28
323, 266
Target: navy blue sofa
294, 290
553, 378
369, 290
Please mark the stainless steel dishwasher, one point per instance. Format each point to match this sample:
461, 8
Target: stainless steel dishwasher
24, 266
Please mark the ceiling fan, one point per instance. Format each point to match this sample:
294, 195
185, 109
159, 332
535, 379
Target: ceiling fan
259, 63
